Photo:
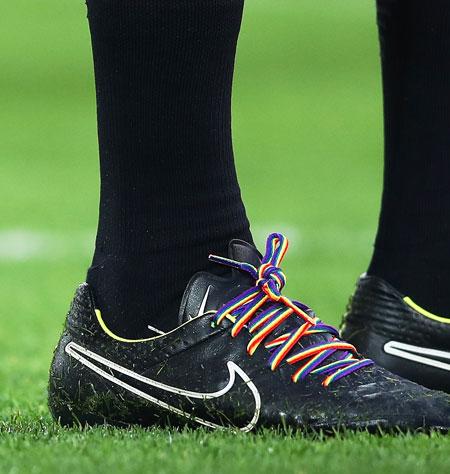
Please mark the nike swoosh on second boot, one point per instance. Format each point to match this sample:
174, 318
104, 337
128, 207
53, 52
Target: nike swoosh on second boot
389, 328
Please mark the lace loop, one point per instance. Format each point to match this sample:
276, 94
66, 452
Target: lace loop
262, 309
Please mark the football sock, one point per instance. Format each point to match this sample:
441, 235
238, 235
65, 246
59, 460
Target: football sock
412, 249
169, 191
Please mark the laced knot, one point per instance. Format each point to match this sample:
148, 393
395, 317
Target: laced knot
271, 280
262, 309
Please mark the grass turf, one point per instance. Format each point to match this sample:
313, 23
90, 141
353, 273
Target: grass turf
307, 126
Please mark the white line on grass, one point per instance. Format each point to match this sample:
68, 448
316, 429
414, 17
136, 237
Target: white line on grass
21, 245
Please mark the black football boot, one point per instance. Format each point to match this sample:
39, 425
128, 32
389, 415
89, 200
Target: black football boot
243, 356
398, 334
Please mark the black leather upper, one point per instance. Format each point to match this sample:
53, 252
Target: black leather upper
378, 314
195, 356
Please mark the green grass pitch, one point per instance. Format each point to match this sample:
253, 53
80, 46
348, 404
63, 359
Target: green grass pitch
307, 127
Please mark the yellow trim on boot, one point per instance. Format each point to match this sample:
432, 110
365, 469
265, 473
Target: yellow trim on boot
424, 312
111, 334
105, 328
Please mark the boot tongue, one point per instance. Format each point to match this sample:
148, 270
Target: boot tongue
208, 292
242, 251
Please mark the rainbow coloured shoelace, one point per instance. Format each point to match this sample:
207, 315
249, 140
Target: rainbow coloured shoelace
262, 309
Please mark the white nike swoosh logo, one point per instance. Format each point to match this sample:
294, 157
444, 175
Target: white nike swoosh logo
201, 310
78, 353
421, 355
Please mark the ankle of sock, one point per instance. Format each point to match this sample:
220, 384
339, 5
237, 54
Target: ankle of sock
134, 291
420, 273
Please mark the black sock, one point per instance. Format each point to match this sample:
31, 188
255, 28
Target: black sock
412, 249
169, 192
